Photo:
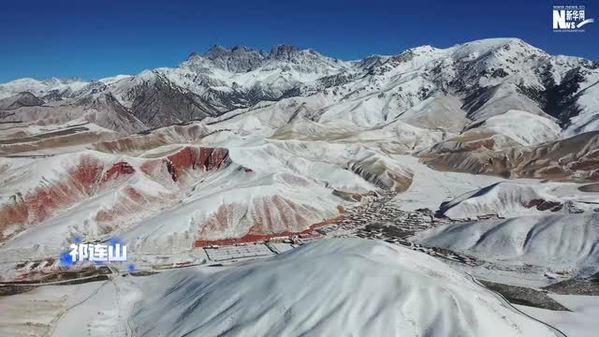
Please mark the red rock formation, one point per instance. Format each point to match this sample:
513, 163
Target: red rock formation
257, 233
182, 159
118, 169
250, 238
84, 179
205, 158
39, 204
218, 157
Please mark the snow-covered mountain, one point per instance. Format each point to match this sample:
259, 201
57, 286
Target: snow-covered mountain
486, 153
487, 78
290, 121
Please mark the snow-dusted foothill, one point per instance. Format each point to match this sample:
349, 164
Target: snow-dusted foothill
562, 242
331, 287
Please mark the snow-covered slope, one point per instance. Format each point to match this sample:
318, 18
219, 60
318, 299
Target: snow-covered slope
521, 127
53, 86
329, 288
513, 128
560, 242
474, 81
430, 188
298, 127
160, 187
516, 198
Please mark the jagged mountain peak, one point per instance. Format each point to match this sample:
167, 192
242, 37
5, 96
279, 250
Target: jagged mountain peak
488, 77
284, 51
277, 51
235, 59
243, 59
63, 80
218, 51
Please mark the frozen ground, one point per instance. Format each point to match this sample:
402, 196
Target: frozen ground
581, 322
91, 309
329, 287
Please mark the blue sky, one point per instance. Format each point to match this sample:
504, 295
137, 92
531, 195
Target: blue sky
92, 39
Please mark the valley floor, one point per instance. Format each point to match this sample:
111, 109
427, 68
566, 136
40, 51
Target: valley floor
103, 308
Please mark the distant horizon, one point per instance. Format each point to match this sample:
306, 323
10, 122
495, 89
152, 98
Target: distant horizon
263, 50
97, 39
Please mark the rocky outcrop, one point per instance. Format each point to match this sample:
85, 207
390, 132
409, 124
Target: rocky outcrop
19, 100
544, 205
382, 173
117, 170
158, 102
203, 158
575, 158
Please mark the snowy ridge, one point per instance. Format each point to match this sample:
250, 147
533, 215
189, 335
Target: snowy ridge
517, 198
331, 287
42, 88
475, 80
557, 242
503, 199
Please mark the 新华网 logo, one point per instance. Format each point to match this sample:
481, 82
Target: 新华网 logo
570, 18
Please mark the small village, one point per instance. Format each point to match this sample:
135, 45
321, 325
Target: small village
375, 217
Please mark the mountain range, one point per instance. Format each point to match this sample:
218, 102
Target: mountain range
484, 155
481, 78
498, 107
